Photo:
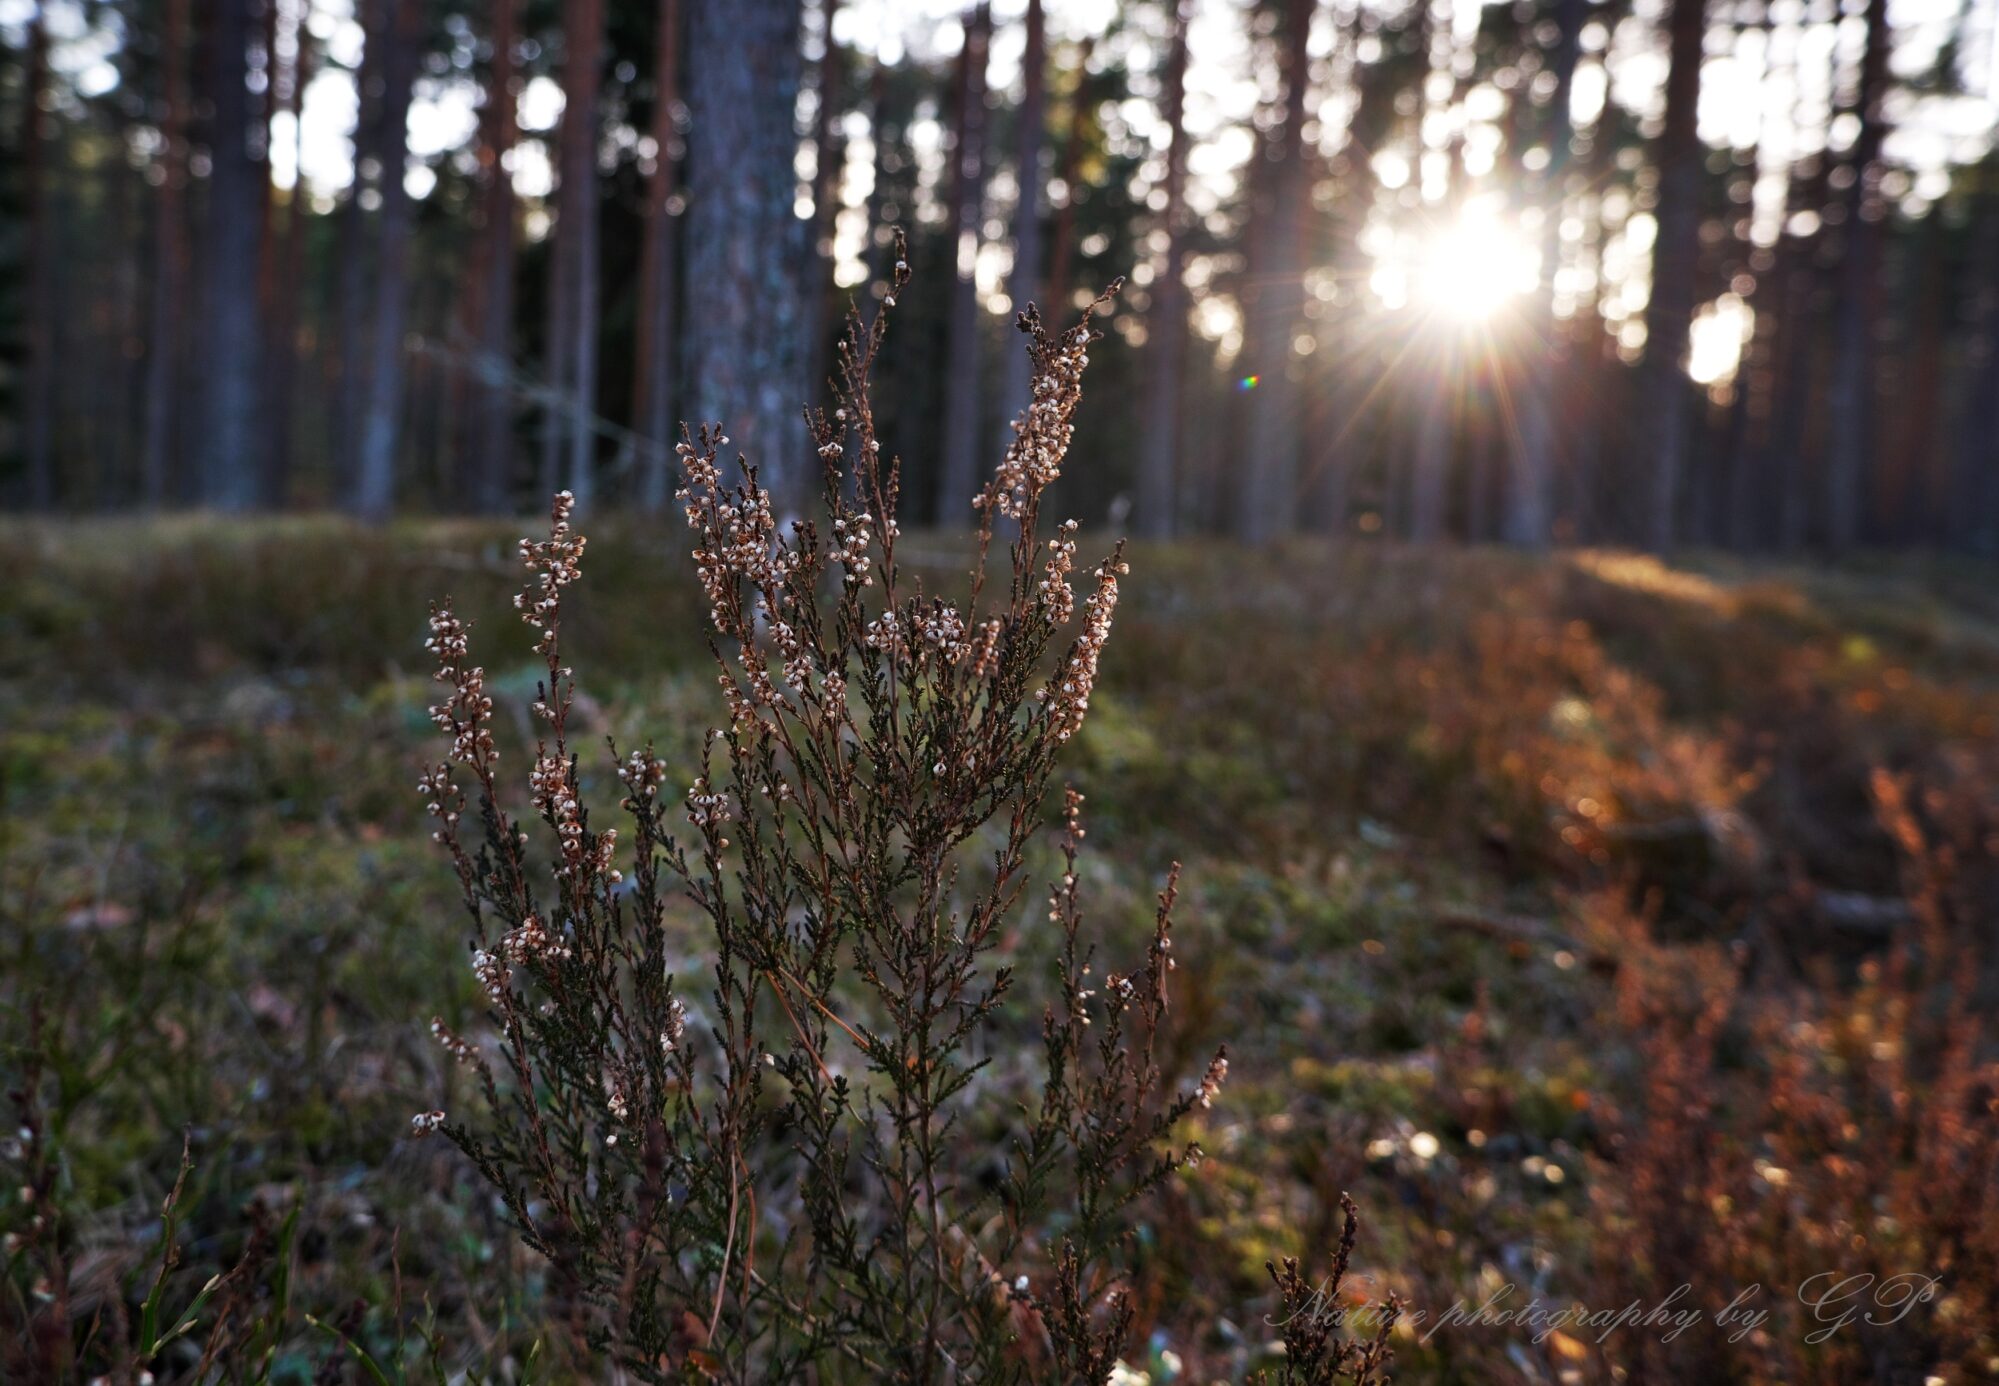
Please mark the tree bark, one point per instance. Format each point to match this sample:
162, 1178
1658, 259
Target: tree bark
1166, 343
1675, 259
745, 316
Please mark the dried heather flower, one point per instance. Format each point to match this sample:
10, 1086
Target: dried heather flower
461, 1050
467, 714
1042, 433
1057, 597
1068, 697
556, 562
885, 634
1211, 1081
943, 630
492, 973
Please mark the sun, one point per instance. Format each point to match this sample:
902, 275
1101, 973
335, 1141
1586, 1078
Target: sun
1473, 267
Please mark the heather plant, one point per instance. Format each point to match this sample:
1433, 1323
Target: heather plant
792, 1165
1853, 1132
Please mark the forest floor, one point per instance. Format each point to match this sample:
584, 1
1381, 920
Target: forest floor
1434, 808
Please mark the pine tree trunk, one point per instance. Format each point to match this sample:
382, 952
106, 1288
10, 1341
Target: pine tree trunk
1849, 450
1974, 499
1024, 284
230, 474
1274, 301
745, 316
285, 267
558, 368
1675, 258
1062, 239
1908, 476
878, 134
381, 428
1166, 343
1429, 476
655, 363
356, 252
492, 462
39, 273
829, 155
1530, 479
576, 238
958, 481
163, 348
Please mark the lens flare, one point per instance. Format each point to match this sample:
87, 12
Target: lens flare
1474, 267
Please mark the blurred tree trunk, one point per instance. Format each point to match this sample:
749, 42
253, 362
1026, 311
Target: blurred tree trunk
265, 279
828, 156
1800, 261
576, 246
745, 317
1337, 446
284, 262
1062, 241
38, 271
1441, 379
1024, 282
1675, 259
124, 356
355, 253
1974, 499
959, 480
381, 427
1796, 358
878, 135
1849, 443
1166, 343
1273, 303
492, 469
652, 385
1905, 476
1429, 475
1530, 479
231, 475
157, 457
1750, 505
556, 358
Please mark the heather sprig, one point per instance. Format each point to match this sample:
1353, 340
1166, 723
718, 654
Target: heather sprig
766, 1175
